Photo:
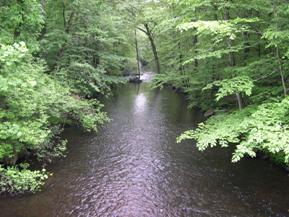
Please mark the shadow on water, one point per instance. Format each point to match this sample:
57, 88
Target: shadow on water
133, 167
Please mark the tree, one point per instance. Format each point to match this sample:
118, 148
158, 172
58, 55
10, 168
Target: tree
231, 48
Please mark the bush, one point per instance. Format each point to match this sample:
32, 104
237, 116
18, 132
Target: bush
33, 104
20, 179
264, 128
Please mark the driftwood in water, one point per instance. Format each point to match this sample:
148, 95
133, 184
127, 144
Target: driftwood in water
135, 80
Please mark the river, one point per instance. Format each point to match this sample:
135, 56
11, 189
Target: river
133, 168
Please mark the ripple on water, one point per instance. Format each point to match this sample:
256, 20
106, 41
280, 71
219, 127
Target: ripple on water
134, 168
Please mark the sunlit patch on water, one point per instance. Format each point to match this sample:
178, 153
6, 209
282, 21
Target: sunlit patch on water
147, 76
140, 103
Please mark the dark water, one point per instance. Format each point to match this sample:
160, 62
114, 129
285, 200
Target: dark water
134, 168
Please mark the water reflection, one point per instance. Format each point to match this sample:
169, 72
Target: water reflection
147, 76
140, 103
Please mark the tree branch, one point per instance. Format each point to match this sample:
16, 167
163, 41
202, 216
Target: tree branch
143, 30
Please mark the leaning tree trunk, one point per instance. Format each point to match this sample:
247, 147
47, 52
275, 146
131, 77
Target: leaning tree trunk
137, 53
153, 46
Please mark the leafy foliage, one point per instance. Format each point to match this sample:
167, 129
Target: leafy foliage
20, 21
252, 130
230, 86
236, 51
56, 59
15, 180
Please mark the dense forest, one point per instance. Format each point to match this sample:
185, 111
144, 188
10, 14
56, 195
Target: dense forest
59, 57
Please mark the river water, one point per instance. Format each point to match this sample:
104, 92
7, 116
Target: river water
134, 168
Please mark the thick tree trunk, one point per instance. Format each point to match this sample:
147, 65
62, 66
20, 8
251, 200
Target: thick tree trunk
153, 46
137, 54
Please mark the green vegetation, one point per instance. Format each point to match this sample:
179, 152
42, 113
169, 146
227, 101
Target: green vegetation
20, 179
57, 57
230, 57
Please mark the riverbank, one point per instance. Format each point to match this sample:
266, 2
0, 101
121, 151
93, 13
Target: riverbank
274, 158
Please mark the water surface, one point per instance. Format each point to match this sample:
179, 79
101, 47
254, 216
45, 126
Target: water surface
134, 168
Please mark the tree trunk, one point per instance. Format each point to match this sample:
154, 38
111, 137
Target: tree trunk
17, 31
239, 100
280, 68
14, 158
137, 53
44, 27
215, 75
232, 60
64, 14
246, 37
259, 50
278, 56
180, 58
153, 46
195, 42
67, 27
